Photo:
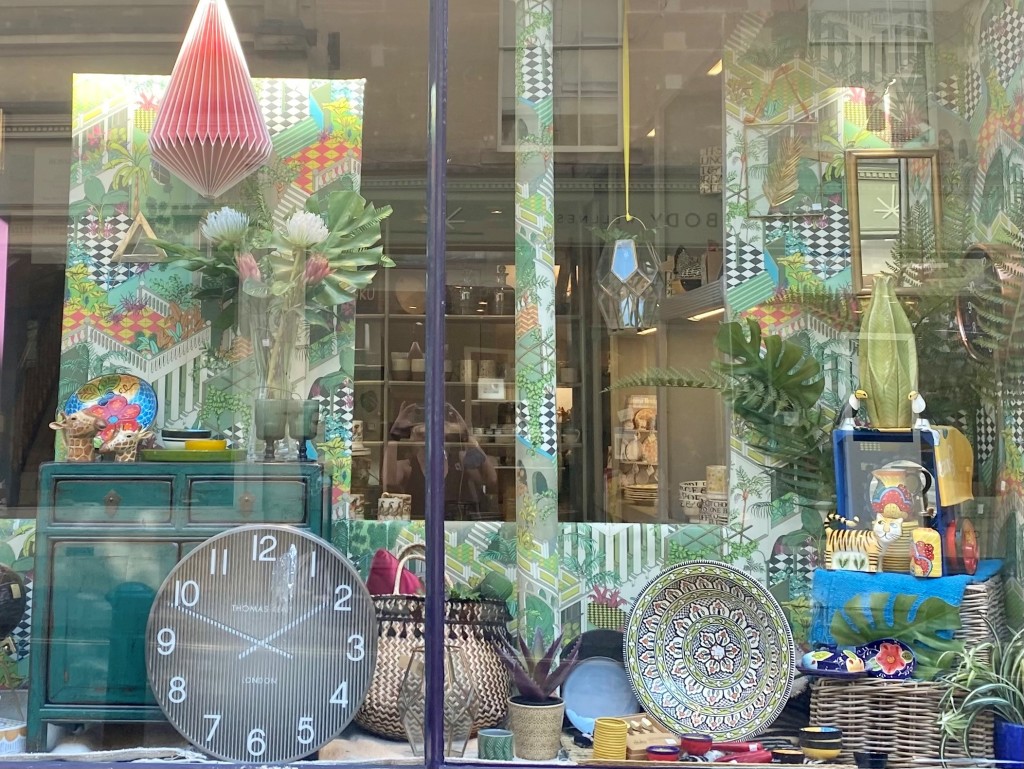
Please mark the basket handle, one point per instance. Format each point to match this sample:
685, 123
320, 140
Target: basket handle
417, 551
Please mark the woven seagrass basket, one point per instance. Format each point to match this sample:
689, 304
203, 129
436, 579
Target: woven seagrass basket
901, 717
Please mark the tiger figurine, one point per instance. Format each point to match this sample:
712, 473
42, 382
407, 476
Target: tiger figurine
846, 548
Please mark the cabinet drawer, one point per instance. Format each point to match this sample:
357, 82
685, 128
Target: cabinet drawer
247, 500
112, 500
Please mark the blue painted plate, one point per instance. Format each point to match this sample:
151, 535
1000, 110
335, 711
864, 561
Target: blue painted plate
598, 687
888, 658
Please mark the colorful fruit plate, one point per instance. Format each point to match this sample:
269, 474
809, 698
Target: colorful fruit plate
184, 455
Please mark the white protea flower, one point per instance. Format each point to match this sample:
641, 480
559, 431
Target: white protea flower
305, 229
226, 226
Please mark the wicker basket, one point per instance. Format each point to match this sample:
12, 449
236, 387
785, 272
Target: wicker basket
898, 717
901, 717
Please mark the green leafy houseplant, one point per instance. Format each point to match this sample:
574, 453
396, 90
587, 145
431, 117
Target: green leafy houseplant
988, 678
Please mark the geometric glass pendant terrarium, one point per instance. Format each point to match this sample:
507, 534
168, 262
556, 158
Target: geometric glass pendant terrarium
629, 285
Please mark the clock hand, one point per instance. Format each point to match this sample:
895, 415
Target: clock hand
227, 629
282, 631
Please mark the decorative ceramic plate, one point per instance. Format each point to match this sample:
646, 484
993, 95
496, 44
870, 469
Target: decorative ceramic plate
843, 674
888, 658
185, 455
709, 650
597, 687
123, 400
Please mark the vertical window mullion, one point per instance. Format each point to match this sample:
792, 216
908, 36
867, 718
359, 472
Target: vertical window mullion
437, 106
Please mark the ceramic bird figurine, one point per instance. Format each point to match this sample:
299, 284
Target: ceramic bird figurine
917, 405
847, 419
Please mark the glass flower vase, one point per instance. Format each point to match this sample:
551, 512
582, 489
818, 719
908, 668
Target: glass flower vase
460, 701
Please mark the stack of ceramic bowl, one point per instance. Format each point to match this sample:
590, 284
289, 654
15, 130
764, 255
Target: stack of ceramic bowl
690, 495
821, 743
714, 509
610, 738
172, 438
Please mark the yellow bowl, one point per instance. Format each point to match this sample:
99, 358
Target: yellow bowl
205, 444
817, 754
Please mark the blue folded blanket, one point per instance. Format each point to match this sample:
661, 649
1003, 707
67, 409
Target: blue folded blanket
832, 590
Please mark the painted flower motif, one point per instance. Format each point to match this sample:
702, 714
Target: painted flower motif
248, 269
118, 413
716, 651
890, 658
317, 268
304, 229
226, 226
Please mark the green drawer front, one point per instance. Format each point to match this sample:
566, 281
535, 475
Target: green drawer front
244, 500
101, 596
112, 500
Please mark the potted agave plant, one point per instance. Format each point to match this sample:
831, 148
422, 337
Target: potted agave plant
988, 681
535, 714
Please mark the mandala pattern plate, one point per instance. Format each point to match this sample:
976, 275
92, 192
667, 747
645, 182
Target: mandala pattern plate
709, 650
122, 400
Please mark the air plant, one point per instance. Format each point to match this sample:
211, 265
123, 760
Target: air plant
533, 669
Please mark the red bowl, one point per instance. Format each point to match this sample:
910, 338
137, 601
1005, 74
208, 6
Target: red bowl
695, 744
662, 753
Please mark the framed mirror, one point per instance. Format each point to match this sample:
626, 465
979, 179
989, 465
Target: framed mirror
891, 194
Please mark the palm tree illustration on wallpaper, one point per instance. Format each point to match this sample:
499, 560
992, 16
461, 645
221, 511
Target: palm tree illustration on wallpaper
746, 485
130, 162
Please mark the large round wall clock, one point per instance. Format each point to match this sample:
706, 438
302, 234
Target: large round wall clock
261, 644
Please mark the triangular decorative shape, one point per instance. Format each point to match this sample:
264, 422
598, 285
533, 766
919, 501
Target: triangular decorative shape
210, 131
132, 249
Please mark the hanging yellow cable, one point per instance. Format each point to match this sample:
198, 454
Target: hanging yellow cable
625, 100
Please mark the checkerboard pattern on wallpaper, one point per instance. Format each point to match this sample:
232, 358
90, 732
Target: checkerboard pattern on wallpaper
536, 83
1003, 39
824, 238
961, 93
100, 241
745, 262
283, 105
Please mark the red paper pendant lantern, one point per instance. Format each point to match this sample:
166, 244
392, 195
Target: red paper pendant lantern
210, 131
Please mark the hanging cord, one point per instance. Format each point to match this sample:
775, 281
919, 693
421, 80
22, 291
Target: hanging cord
625, 101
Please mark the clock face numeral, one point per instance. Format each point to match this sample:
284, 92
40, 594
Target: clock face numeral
256, 743
187, 593
223, 561
264, 547
357, 648
165, 640
177, 693
342, 598
306, 735
215, 717
340, 696
237, 640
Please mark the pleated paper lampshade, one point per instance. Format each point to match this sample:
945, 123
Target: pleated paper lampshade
209, 130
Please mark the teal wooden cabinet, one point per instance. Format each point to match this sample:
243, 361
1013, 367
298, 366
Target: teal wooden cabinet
107, 536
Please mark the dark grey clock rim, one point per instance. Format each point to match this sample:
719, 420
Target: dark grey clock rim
370, 640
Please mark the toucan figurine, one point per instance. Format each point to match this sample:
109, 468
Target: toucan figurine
847, 419
917, 405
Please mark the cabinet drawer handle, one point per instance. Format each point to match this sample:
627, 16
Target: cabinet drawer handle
245, 503
111, 502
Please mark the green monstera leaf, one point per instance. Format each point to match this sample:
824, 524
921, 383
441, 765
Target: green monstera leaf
864, 619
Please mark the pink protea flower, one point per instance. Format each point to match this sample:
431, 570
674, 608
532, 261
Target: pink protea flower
247, 267
317, 268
